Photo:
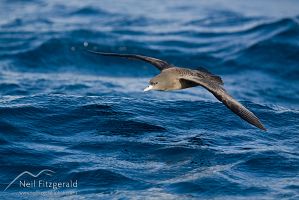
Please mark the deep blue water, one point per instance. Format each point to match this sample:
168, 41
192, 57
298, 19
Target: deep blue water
87, 119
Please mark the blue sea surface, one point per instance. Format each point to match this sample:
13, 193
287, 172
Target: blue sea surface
68, 115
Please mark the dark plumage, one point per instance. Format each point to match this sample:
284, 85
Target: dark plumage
176, 78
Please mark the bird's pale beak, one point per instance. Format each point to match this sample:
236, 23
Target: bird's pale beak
148, 88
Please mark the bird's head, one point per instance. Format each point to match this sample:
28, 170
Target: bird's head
157, 83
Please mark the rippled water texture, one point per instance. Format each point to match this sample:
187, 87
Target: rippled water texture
85, 117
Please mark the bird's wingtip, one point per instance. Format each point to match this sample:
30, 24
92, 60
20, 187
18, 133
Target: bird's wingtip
261, 126
264, 129
102, 53
92, 51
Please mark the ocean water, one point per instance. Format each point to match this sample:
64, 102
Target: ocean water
67, 116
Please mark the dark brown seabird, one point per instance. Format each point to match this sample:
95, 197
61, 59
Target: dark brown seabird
176, 78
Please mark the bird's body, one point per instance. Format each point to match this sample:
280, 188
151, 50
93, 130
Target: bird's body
172, 79
176, 78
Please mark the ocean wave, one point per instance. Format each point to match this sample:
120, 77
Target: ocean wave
267, 41
89, 11
86, 118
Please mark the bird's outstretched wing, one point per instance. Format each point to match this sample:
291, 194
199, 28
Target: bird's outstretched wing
220, 93
160, 64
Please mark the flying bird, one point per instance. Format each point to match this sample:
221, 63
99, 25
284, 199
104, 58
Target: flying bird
176, 78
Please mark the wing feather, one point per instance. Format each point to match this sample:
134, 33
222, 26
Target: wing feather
160, 64
235, 106
212, 76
